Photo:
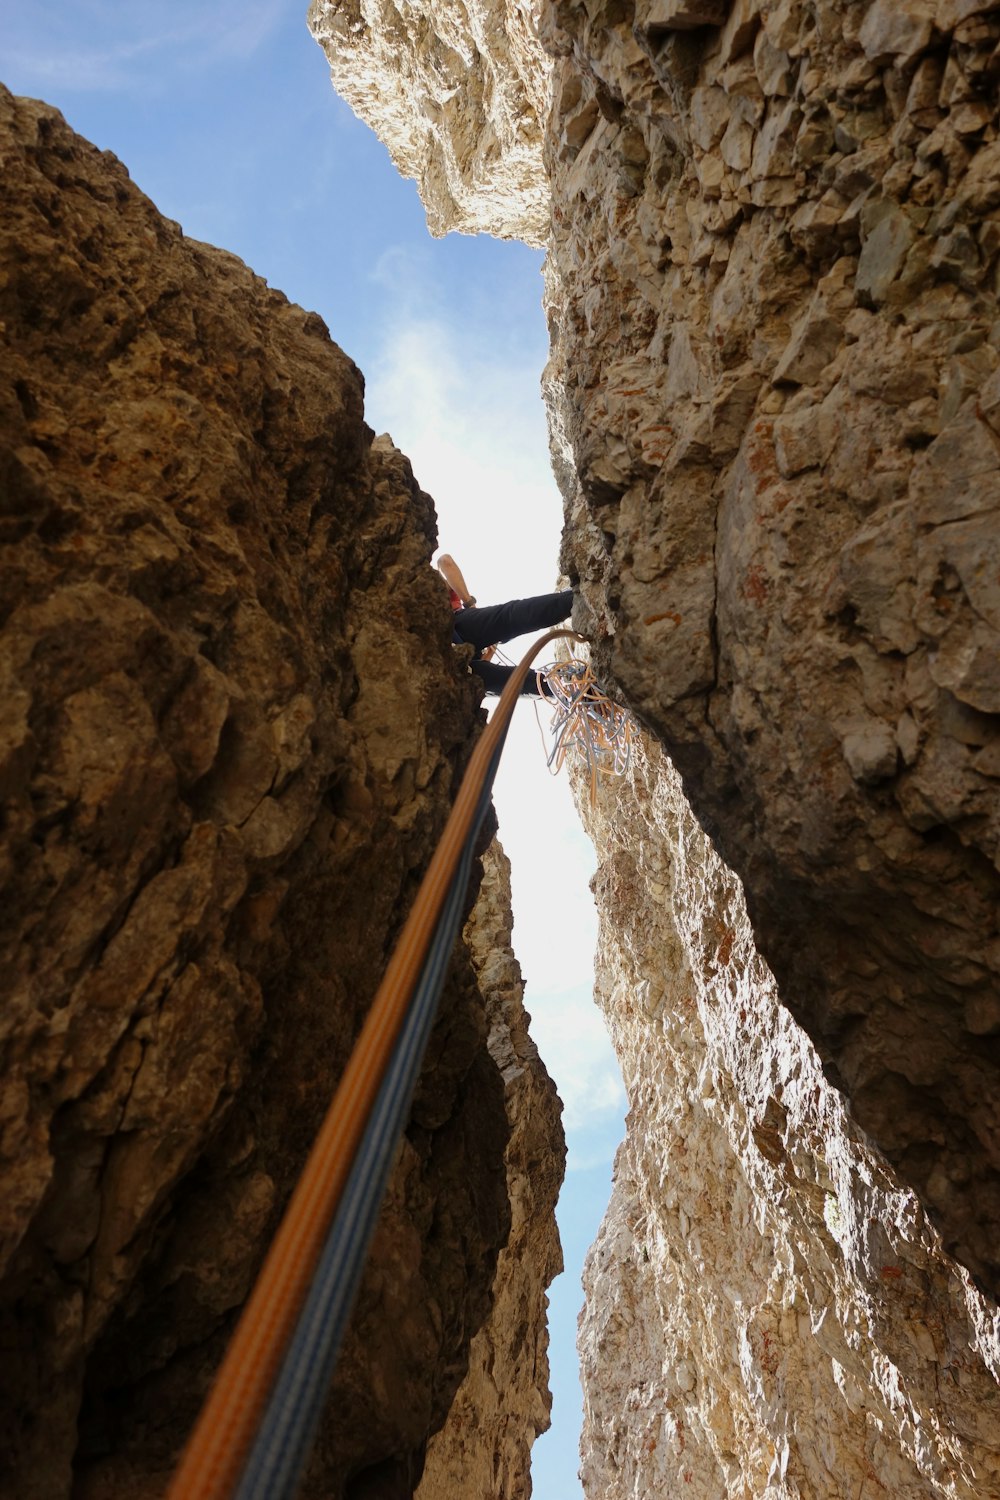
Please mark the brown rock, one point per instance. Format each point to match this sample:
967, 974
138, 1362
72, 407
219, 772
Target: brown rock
951, 13
804, 613
896, 29
883, 254
684, 14
815, 340
822, 605
230, 729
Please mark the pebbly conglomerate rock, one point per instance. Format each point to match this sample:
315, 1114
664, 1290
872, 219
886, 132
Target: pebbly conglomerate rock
768, 1310
773, 299
230, 729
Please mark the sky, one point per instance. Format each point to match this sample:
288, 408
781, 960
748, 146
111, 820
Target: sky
223, 112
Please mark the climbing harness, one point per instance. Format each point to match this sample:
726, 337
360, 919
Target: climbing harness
586, 721
255, 1431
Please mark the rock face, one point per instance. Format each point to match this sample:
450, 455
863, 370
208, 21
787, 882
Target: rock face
459, 94
777, 363
775, 395
230, 729
484, 1450
775, 392
769, 1312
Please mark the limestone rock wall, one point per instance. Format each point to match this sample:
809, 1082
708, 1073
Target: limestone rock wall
768, 1311
773, 272
230, 728
458, 91
484, 1450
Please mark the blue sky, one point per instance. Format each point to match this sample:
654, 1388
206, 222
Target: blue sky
223, 113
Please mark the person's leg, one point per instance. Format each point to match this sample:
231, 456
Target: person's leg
489, 624
496, 676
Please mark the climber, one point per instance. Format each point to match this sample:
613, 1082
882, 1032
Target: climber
485, 626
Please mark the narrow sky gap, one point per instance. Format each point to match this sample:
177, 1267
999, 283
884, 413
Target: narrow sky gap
225, 117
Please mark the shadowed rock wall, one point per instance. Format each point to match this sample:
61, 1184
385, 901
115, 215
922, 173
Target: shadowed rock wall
230, 728
777, 364
774, 393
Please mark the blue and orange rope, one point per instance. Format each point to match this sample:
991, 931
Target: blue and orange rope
253, 1435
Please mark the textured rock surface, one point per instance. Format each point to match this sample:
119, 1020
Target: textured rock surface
775, 388
768, 1311
775, 383
459, 94
484, 1450
775, 393
777, 361
230, 726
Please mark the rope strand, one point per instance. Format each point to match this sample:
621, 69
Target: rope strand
217, 1452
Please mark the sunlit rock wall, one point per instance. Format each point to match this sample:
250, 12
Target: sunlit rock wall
768, 1311
230, 729
459, 94
484, 1450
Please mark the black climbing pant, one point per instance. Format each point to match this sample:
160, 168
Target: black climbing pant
491, 624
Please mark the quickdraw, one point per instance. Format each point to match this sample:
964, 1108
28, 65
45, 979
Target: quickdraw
587, 721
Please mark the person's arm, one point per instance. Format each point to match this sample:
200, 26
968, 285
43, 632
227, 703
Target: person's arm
453, 575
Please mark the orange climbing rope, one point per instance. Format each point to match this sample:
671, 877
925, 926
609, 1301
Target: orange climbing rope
214, 1459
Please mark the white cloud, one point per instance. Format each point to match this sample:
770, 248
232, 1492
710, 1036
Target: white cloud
469, 416
570, 1034
555, 924
555, 933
